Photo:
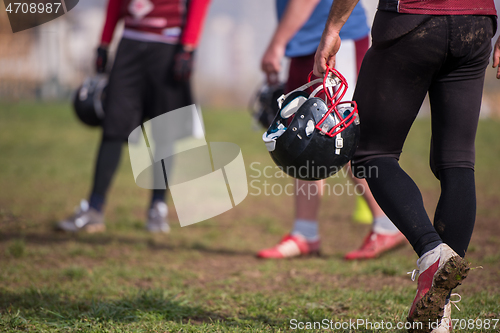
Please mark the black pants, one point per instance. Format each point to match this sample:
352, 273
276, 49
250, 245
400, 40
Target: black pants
411, 55
142, 85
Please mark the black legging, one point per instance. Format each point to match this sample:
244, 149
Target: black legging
400, 199
410, 56
107, 162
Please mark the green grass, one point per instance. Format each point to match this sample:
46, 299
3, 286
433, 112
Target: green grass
204, 277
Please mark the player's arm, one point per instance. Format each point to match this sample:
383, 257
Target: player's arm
330, 40
196, 13
112, 17
296, 14
496, 57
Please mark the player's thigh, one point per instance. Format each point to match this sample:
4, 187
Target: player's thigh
361, 46
455, 98
407, 51
386, 114
454, 123
167, 94
125, 93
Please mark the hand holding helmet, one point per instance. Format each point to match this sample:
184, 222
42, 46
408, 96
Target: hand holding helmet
311, 138
271, 63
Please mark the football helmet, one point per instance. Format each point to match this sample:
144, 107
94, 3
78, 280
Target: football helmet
311, 138
89, 98
264, 104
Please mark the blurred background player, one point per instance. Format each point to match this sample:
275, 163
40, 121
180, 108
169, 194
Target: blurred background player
301, 23
150, 76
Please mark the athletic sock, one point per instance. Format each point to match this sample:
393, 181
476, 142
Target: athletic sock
106, 165
306, 228
384, 226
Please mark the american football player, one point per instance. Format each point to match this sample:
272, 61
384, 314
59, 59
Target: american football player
150, 76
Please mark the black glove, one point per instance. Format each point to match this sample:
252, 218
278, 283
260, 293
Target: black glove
101, 60
183, 65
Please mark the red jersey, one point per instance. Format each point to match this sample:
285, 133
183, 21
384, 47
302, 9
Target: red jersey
440, 7
170, 21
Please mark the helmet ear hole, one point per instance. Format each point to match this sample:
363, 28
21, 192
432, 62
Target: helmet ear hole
291, 108
292, 96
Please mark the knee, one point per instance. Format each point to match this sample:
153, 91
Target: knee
438, 167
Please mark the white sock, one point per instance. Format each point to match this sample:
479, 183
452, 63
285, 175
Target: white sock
383, 225
306, 228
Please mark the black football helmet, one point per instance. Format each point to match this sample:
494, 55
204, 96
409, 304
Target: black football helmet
311, 138
264, 104
89, 98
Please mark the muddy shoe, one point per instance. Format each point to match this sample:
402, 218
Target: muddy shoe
85, 219
157, 218
441, 270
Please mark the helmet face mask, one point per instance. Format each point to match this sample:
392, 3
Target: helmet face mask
89, 99
311, 139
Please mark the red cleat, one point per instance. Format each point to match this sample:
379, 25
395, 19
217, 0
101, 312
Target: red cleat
289, 247
440, 270
376, 244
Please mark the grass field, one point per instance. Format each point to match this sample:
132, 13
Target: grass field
204, 277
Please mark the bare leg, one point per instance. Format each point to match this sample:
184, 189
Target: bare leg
308, 199
304, 238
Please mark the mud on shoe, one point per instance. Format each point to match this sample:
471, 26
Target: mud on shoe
85, 219
290, 246
440, 271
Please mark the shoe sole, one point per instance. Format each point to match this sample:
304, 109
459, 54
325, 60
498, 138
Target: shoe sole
307, 255
430, 308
